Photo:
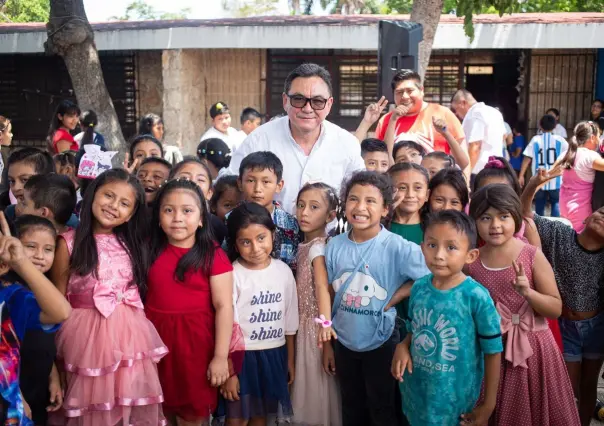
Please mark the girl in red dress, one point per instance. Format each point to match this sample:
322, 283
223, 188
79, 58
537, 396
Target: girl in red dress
65, 120
190, 302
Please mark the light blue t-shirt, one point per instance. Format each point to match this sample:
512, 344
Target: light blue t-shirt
452, 330
384, 263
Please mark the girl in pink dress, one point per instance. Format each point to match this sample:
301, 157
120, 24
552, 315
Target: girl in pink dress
108, 349
580, 165
534, 388
315, 395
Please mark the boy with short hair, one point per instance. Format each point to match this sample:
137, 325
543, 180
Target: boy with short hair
50, 196
260, 178
408, 152
152, 173
454, 332
250, 119
221, 126
541, 153
375, 155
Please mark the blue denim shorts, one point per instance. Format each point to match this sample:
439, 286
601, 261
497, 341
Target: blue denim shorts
583, 339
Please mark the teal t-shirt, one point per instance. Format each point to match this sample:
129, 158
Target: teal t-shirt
413, 233
452, 330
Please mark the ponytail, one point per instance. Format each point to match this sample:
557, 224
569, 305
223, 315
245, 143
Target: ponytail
89, 121
583, 132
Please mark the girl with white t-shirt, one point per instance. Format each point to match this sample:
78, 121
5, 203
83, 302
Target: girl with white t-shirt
580, 162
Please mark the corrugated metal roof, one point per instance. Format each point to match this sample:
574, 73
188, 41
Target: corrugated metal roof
330, 20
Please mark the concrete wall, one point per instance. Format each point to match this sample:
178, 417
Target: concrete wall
149, 83
194, 79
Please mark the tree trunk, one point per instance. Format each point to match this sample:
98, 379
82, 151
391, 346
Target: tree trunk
427, 13
71, 36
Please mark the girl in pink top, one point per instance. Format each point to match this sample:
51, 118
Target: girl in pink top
108, 349
580, 165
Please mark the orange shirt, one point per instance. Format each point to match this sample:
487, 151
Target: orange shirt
419, 128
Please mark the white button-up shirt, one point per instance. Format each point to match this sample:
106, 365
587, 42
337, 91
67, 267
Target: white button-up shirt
334, 157
484, 123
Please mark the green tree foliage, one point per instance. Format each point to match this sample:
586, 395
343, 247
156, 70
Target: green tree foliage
246, 8
467, 8
24, 10
139, 10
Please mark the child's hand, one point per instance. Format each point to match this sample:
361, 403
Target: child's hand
325, 335
478, 417
11, 249
56, 392
521, 283
401, 361
218, 371
291, 372
374, 111
400, 111
329, 359
440, 125
230, 390
543, 176
132, 167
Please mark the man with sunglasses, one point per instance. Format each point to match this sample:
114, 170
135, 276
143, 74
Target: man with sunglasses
310, 147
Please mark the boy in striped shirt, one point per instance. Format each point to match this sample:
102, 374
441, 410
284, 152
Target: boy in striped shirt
541, 153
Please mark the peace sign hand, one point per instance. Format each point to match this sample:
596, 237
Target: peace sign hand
130, 169
11, 249
521, 283
374, 111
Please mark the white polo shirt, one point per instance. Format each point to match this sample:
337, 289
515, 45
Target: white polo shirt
484, 123
233, 138
334, 157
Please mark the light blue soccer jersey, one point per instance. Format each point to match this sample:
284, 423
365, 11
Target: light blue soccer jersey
452, 330
545, 149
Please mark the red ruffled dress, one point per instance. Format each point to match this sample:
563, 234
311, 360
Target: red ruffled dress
185, 319
107, 347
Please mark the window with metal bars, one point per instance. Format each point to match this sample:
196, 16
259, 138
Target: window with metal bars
442, 79
31, 87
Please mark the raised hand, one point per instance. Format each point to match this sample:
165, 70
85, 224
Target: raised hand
543, 176
130, 168
440, 125
11, 249
521, 283
374, 110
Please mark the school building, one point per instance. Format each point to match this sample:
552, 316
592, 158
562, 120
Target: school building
524, 64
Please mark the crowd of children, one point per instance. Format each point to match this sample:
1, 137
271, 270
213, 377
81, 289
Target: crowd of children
169, 292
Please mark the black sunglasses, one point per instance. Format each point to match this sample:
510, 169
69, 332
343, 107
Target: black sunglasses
299, 101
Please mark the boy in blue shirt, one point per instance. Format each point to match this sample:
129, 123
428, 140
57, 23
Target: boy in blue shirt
260, 178
454, 333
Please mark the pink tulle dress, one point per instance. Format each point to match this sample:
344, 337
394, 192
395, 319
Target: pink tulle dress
108, 348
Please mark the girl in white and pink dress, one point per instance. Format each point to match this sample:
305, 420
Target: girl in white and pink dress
315, 395
107, 348
580, 165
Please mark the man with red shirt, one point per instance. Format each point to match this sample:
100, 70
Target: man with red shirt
431, 125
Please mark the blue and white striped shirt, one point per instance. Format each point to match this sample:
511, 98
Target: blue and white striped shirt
545, 149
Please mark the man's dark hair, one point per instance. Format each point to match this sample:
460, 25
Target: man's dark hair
373, 145
249, 113
262, 160
306, 71
55, 192
460, 221
547, 123
555, 111
405, 75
